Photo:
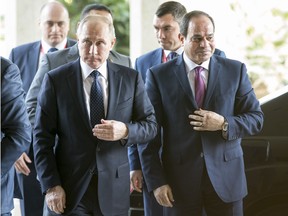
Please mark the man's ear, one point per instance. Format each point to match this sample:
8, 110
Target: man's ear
113, 42
181, 38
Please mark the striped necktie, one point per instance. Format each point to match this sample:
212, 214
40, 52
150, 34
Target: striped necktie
171, 56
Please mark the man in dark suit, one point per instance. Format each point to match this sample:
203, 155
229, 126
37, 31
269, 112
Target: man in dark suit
166, 23
203, 118
86, 171
53, 60
15, 130
54, 26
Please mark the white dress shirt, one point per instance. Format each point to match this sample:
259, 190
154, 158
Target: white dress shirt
87, 83
190, 66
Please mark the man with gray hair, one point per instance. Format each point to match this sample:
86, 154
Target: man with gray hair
96, 108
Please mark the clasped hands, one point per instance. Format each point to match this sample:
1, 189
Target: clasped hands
110, 130
204, 120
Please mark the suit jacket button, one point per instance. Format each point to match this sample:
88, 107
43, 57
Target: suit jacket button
202, 155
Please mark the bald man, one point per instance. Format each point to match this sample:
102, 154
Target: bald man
54, 26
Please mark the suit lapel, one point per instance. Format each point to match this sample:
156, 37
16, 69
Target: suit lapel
214, 69
156, 58
33, 56
75, 83
70, 42
115, 81
180, 73
72, 54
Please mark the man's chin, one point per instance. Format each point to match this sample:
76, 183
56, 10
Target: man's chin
55, 40
94, 63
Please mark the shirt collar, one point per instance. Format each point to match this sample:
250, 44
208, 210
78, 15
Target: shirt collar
86, 69
190, 65
46, 46
179, 51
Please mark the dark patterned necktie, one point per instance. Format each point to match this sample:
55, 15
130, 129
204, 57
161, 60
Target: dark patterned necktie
96, 100
171, 56
52, 49
199, 86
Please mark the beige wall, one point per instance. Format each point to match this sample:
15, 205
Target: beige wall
27, 16
142, 37
19, 24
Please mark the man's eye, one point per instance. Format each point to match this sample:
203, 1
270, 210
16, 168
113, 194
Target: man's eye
167, 29
210, 38
196, 39
49, 24
60, 24
100, 43
87, 43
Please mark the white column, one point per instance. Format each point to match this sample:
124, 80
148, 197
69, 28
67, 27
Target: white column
19, 23
142, 36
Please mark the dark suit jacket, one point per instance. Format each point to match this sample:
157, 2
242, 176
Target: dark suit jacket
15, 129
142, 64
230, 94
62, 112
26, 57
53, 60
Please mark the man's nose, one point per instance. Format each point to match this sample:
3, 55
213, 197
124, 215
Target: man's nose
93, 49
55, 27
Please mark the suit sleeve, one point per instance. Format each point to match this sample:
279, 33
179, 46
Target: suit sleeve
149, 152
44, 136
133, 156
142, 127
248, 117
32, 94
15, 126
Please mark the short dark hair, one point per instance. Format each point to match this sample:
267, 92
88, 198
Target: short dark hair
90, 7
176, 9
186, 19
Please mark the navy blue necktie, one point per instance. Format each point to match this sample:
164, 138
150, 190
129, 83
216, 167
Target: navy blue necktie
96, 100
52, 49
171, 56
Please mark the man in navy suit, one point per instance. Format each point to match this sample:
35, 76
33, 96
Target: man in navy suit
86, 170
53, 60
202, 160
166, 23
15, 130
54, 26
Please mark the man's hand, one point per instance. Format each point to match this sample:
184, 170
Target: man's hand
204, 120
110, 130
164, 196
56, 199
21, 164
136, 179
